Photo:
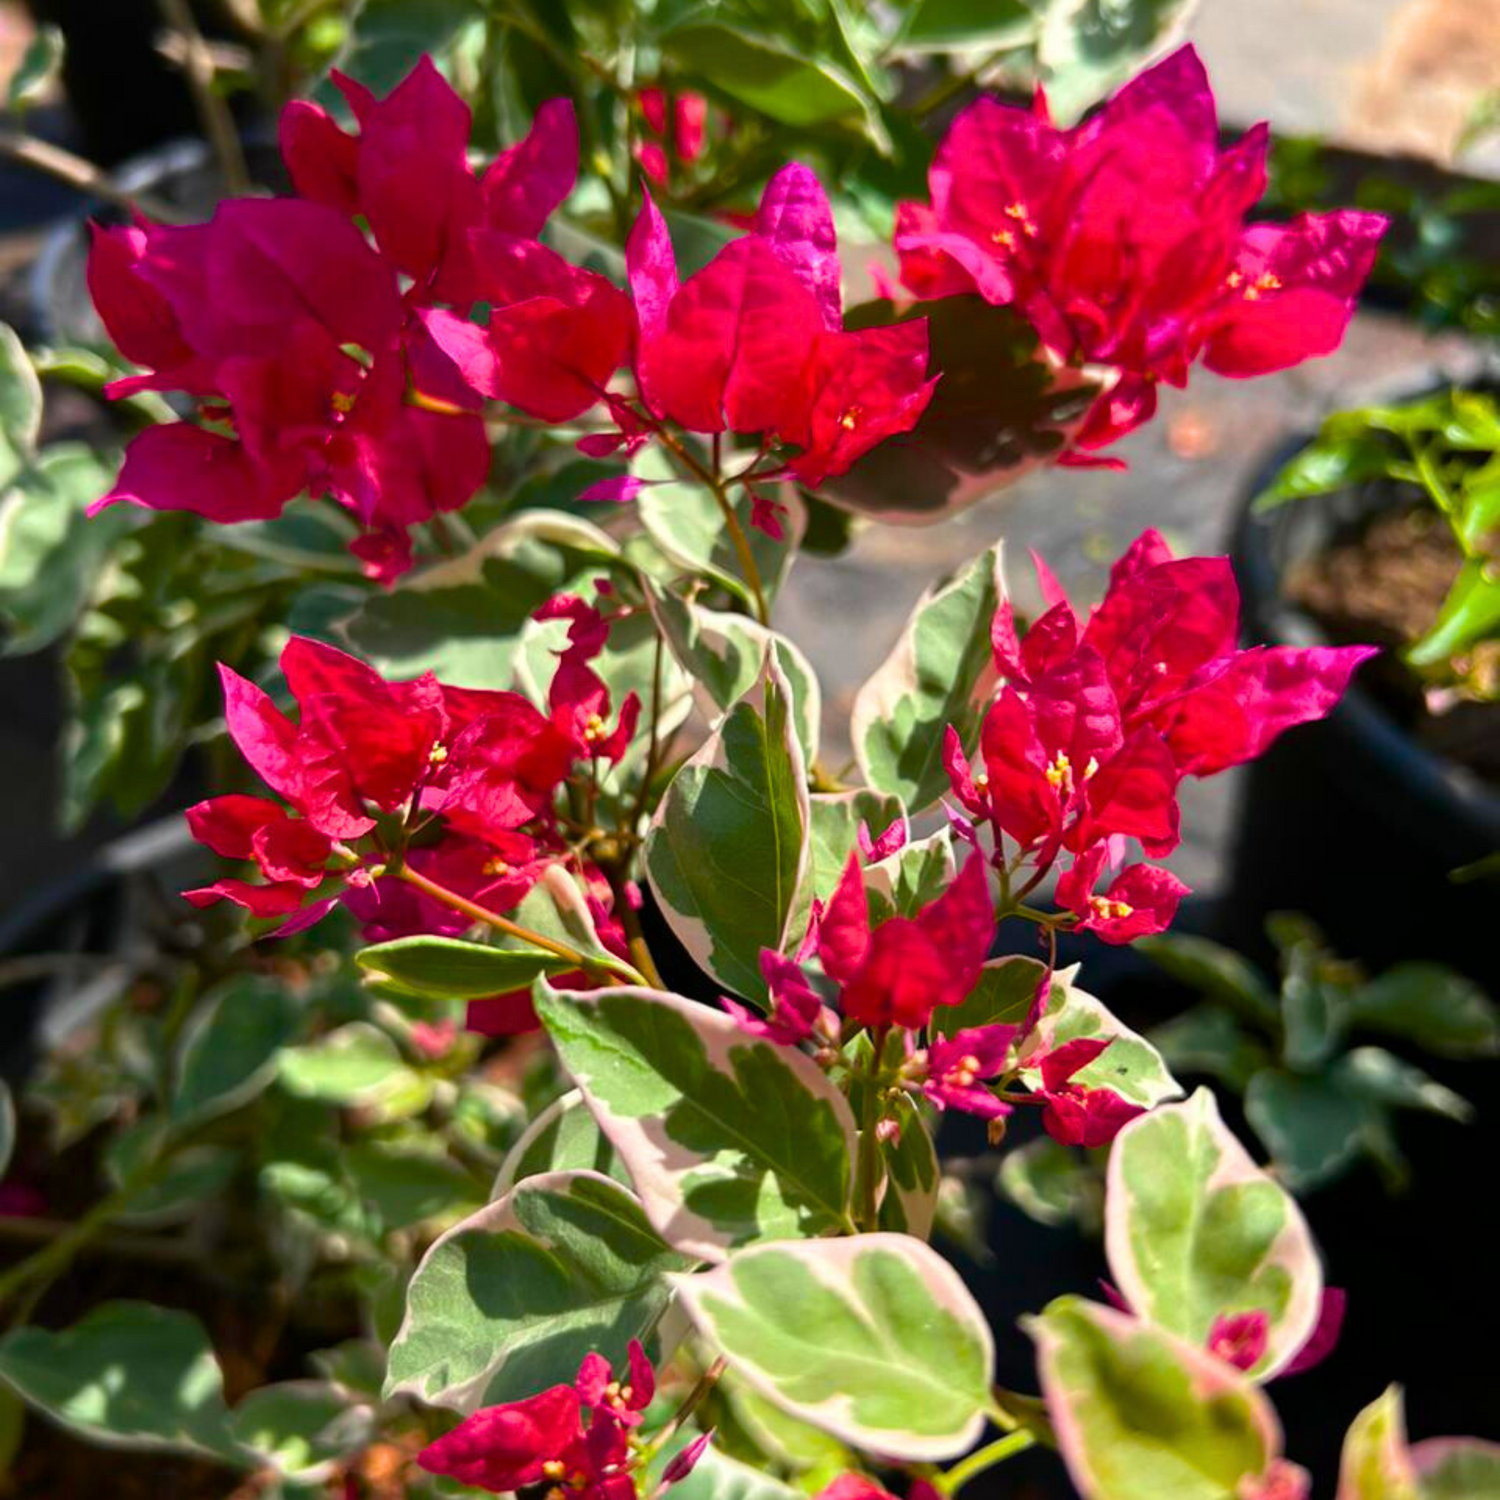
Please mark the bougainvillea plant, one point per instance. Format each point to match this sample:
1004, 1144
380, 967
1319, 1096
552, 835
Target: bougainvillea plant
721, 1222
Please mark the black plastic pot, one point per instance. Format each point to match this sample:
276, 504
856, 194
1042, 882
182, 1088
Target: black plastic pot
71, 948
1351, 820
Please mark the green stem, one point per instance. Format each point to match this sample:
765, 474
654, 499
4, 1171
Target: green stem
53, 1259
954, 1479
868, 1166
737, 537
514, 929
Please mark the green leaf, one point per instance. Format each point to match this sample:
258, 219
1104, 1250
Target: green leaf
229, 1048
463, 620
191, 1176
1313, 1011
685, 522
1141, 1415
723, 653
1053, 1184
1218, 973
1375, 1074
20, 404
834, 832
1087, 47
387, 37
1196, 1231
939, 673
1428, 1004
128, 1375
771, 76
1457, 1469
919, 872
1336, 460
1208, 1039
872, 1338
410, 1183
509, 1301
912, 1175
953, 25
1000, 411
37, 71
7, 1127
1130, 1065
1312, 1128
563, 1138
302, 1428
1003, 996
727, 1138
1470, 613
728, 847
356, 1065
441, 968
1376, 1463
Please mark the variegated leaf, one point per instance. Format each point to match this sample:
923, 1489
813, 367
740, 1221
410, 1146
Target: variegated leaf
873, 1338
939, 673
723, 654
912, 1175
1195, 1230
1004, 995
1376, 1463
509, 1301
684, 520
563, 1138
903, 882
1130, 1065
1457, 1469
727, 1139
1141, 1415
728, 847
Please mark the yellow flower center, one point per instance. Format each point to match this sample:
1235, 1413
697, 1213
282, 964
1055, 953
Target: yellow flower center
437, 755
343, 402
1110, 911
1060, 773
593, 729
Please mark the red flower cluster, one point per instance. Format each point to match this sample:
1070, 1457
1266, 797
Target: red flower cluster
544, 1440
291, 329
1123, 241
326, 360
1095, 727
371, 765
755, 342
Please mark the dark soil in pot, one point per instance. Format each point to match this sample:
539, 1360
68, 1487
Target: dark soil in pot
1361, 820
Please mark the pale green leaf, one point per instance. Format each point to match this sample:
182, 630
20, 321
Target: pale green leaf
1457, 1469
1376, 1463
873, 1338
1141, 1415
1196, 1231
1130, 1065
1088, 47
509, 1301
229, 1049
128, 1375
302, 1428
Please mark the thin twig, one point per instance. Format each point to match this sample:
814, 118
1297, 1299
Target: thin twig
43, 156
213, 112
